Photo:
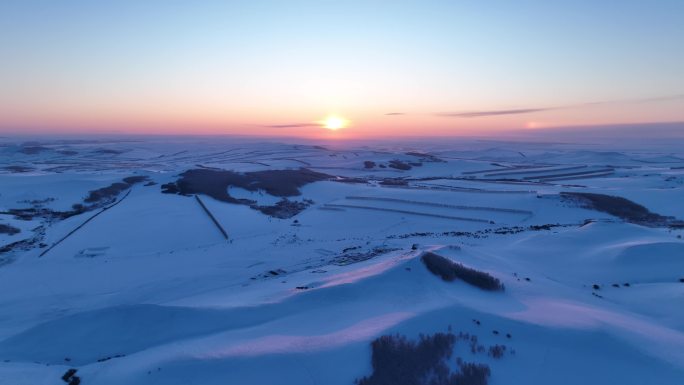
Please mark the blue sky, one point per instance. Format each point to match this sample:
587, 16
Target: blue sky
228, 65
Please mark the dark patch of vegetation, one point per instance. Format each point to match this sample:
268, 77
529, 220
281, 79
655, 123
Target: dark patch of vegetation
425, 157
135, 179
38, 202
281, 183
681, 280
393, 182
397, 360
32, 150
480, 233
348, 258
108, 192
497, 351
596, 286
344, 179
170, 188
108, 151
18, 169
449, 271
24, 244
470, 374
622, 208
111, 357
113, 190
8, 229
69, 373
542, 227
215, 183
399, 165
95, 199
368, 164
71, 378
284, 208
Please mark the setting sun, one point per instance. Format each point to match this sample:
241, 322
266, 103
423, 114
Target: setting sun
334, 123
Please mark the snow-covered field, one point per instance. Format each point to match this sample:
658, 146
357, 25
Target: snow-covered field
137, 286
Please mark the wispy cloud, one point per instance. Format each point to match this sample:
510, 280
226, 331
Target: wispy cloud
665, 98
292, 125
520, 111
478, 114
395, 114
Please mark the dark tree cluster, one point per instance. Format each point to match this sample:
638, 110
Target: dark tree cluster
497, 351
449, 271
215, 183
622, 208
399, 165
397, 360
113, 190
71, 378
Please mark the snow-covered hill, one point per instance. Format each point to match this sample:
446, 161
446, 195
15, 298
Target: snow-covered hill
132, 281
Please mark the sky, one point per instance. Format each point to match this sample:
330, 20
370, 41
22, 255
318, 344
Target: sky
387, 68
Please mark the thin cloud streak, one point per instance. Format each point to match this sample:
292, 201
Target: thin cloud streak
478, 114
293, 125
666, 98
519, 111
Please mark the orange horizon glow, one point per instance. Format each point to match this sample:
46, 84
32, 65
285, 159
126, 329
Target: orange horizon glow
367, 124
203, 115
276, 69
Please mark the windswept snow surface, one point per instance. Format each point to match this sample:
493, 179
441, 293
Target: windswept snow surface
142, 287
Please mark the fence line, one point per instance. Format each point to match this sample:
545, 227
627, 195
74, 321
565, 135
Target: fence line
409, 212
461, 207
216, 222
84, 223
